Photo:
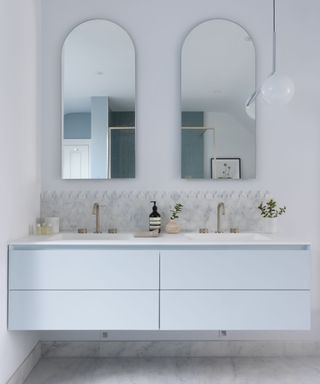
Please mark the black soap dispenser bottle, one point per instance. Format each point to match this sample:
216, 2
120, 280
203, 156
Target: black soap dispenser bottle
154, 218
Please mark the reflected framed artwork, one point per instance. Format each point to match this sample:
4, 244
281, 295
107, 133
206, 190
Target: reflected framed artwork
226, 168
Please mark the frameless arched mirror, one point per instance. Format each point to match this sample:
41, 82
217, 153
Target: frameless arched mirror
217, 79
98, 102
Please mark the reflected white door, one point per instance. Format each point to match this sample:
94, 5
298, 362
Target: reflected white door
76, 161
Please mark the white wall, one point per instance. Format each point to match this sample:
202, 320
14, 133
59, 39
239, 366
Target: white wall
288, 138
19, 171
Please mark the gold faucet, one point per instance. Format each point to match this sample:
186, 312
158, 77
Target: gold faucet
96, 211
220, 211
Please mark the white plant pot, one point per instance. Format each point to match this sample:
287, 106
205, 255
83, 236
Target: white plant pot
270, 225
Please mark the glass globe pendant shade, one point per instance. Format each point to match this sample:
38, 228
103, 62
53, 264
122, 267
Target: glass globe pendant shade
277, 89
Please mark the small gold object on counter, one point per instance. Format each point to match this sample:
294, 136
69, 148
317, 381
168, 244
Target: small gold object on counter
43, 229
203, 230
234, 230
82, 230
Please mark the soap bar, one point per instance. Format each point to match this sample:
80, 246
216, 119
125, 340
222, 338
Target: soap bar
147, 234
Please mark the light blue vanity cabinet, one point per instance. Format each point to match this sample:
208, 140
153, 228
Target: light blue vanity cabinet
159, 286
242, 289
65, 288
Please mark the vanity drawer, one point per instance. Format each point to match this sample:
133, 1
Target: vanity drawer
83, 269
83, 310
235, 269
235, 310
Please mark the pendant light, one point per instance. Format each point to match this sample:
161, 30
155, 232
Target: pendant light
251, 106
277, 89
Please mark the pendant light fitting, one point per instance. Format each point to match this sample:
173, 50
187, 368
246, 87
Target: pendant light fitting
276, 89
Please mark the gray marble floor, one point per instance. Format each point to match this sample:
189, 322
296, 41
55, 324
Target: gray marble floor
176, 370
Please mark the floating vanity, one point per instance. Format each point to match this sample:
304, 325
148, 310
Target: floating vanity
173, 282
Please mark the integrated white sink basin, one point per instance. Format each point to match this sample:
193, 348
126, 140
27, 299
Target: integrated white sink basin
91, 236
164, 239
230, 237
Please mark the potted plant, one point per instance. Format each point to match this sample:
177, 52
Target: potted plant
173, 226
270, 211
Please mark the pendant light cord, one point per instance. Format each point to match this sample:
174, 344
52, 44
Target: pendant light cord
274, 39
274, 53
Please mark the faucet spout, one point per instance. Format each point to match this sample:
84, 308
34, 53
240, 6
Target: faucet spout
94, 208
96, 211
220, 211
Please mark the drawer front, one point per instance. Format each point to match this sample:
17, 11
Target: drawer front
83, 310
238, 269
235, 310
83, 269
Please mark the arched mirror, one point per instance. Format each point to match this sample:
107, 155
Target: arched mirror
217, 79
98, 102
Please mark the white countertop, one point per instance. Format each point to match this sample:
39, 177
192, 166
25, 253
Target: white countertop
164, 239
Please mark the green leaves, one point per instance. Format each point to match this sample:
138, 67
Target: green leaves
271, 209
174, 212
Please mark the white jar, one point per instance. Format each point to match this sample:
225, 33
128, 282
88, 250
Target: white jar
270, 224
54, 223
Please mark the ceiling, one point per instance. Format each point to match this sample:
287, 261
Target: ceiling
98, 60
217, 67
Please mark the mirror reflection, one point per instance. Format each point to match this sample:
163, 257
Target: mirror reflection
98, 85
217, 78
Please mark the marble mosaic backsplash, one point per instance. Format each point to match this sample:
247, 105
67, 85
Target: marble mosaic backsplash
128, 211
